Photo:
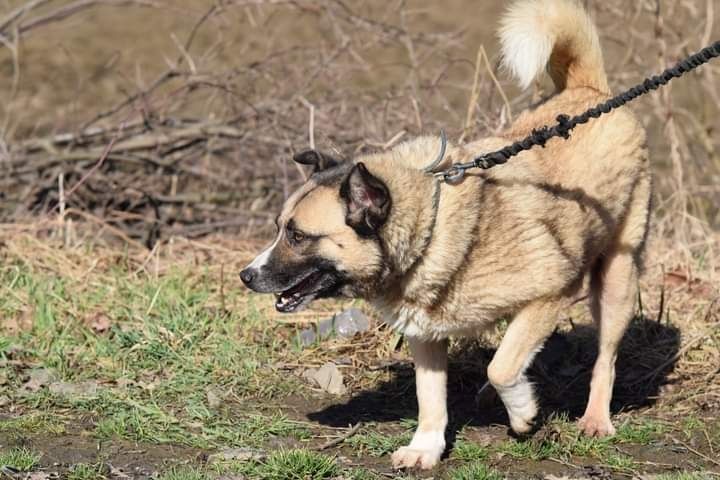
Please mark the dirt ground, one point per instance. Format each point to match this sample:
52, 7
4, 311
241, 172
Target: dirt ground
117, 363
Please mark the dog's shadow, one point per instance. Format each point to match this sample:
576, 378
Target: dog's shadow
561, 373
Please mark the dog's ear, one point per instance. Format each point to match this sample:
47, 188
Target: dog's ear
367, 199
319, 160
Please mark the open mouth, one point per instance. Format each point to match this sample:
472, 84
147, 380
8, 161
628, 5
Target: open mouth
299, 295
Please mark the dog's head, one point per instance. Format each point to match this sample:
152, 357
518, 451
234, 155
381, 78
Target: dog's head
328, 236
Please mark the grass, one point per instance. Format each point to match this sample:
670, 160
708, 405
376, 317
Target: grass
86, 471
376, 444
294, 464
32, 423
467, 451
640, 433
184, 473
684, 476
171, 340
567, 442
474, 471
166, 343
21, 459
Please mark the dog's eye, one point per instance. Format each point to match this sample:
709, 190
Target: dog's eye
295, 236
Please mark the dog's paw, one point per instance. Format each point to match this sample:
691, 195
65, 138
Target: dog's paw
522, 415
408, 457
522, 425
596, 425
424, 451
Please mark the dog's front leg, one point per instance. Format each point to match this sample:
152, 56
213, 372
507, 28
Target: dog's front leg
428, 443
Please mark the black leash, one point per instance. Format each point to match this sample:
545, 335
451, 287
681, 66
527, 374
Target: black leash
565, 123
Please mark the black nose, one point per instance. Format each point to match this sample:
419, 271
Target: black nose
247, 276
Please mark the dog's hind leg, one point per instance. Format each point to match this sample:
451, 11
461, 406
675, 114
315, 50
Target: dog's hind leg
613, 290
428, 443
524, 338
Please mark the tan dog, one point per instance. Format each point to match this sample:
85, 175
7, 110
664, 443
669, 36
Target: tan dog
441, 260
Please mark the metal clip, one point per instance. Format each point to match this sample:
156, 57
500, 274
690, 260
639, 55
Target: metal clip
452, 175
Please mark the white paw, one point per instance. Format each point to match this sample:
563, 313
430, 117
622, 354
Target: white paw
520, 404
596, 425
406, 457
424, 451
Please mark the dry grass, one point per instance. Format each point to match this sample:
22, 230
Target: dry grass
191, 131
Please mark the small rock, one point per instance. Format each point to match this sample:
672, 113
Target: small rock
99, 322
3, 378
124, 382
39, 378
214, 399
118, 472
37, 476
83, 389
309, 374
242, 454
329, 378
4, 400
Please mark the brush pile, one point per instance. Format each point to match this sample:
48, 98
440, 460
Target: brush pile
205, 144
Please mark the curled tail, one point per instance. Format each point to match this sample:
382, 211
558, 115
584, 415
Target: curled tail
558, 34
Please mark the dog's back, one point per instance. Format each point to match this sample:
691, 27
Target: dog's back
548, 217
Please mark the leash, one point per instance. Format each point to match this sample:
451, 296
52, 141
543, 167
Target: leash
565, 124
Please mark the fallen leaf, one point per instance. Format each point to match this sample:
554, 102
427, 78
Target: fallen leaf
99, 322
329, 378
123, 382
19, 323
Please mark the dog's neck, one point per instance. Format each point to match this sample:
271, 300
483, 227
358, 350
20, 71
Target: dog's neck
408, 230
430, 227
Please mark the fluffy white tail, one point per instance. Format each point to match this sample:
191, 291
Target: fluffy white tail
558, 34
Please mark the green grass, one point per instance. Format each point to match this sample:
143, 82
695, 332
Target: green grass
20, 459
684, 476
86, 471
640, 433
467, 451
184, 473
531, 449
377, 444
474, 471
296, 464
167, 341
360, 474
620, 462
568, 442
32, 423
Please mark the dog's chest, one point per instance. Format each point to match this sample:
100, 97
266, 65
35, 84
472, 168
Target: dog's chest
417, 322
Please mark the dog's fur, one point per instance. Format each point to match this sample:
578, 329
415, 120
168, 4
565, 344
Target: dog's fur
442, 260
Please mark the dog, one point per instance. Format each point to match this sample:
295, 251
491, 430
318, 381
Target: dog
441, 260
